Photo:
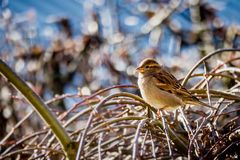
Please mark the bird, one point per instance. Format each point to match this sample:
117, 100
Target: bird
161, 89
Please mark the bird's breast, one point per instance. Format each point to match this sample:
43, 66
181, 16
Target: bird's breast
155, 96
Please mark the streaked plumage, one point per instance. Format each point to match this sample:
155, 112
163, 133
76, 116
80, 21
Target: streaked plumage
161, 89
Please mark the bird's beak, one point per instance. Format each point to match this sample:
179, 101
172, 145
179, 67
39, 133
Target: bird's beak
140, 69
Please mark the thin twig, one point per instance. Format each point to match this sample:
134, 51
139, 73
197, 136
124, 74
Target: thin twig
81, 143
166, 133
15, 127
23, 140
207, 83
99, 145
20, 151
153, 147
62, 116
143, 143
205, 58
135, 141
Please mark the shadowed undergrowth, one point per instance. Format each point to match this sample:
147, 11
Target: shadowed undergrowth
119, 125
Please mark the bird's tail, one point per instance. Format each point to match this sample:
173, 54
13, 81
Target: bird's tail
200, 103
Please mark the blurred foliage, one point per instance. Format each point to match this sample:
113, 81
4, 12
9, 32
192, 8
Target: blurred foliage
65, 67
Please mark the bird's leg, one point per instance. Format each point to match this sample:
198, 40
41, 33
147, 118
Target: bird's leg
175, 116
159, 113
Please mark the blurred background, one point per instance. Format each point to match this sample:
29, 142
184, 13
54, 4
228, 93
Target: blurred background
63, 47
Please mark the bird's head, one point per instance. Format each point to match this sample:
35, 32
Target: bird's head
148, 65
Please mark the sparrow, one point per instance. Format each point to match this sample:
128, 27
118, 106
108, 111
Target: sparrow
161, 89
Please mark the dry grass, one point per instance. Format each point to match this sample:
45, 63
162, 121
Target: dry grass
122, 126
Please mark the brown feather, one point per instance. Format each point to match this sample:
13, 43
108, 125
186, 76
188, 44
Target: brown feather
170, 84
165, 81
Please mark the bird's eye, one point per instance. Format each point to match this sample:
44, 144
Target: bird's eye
147, 67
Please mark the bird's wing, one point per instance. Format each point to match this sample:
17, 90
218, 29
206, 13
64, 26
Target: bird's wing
167, 82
